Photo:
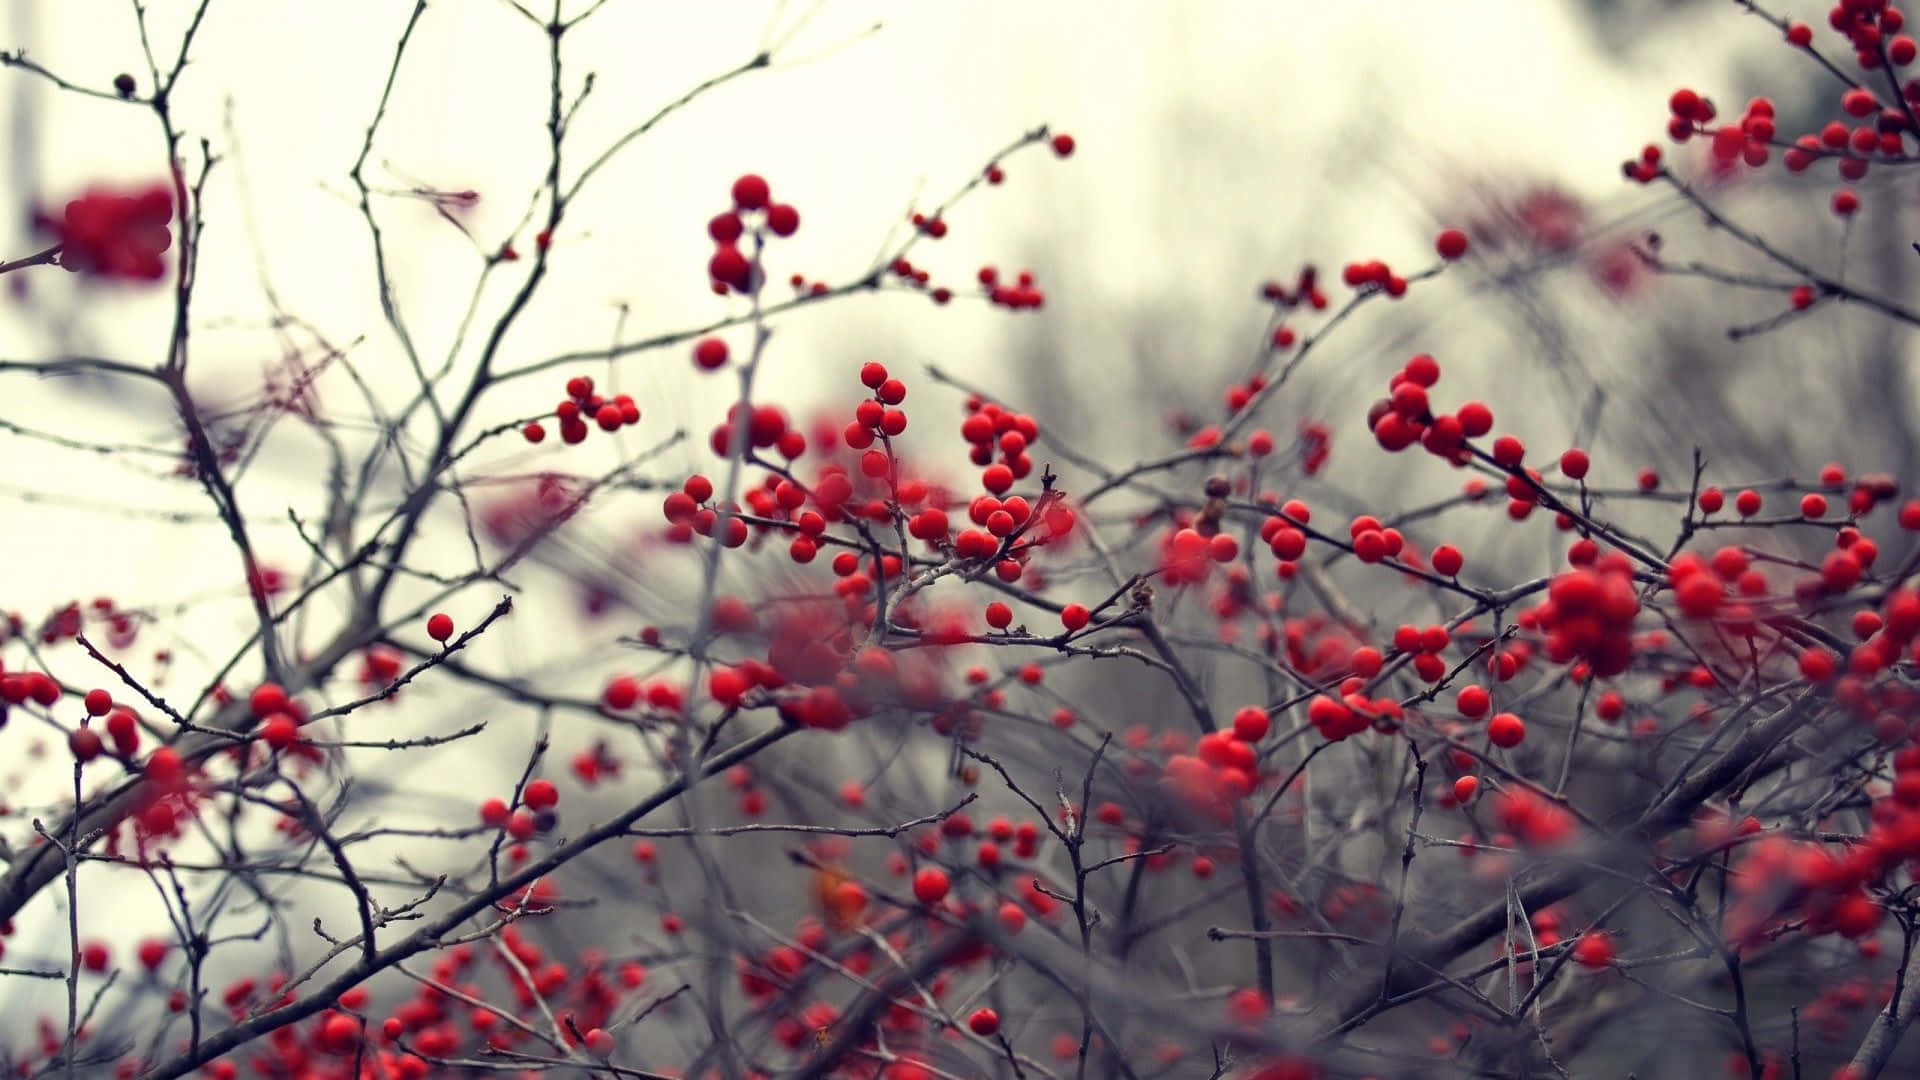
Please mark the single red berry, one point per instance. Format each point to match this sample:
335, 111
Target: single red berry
99, 702
440, 626
1075, 616
750, 192
930, 885
983, 1022
999, 615
163, 767
1474, 701
280, 731
1594, 950
782, 219
1063, 144
522, 824
1465, 788
1817, 665
1506, 730
541, 795
1747, 502
1508, 451
1451, 243
267, 699
1574, 464
725, 228
84, 743
1446, 560
1476, 419
710, 354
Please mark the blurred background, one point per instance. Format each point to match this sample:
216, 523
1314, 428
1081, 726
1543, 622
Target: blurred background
1221, 145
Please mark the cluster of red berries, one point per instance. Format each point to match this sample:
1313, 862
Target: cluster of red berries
1305, 290
687, 513
1748, 141
1188, 554
1872, 29
1782, 879
435, 1024
1425, 646
730, 268
1406, 415
1018, 295
1375, 274
990, 429
582, 404
1336, 718
1589, 611
1871, 26
1534, 819
19, 687
877, 418
1223, 769
534, 815
624, 692
115, 234
279, 715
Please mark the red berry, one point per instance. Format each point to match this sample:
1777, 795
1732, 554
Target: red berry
1447, 560
750, 192
710, 353
1451, 243
1476, 419
930, 885
1594, 950
268, 699
99, 702
1474, 701
1508, 451
1506, 730
983, 1022
84, 743
440, 626
1063, 144
541, 794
